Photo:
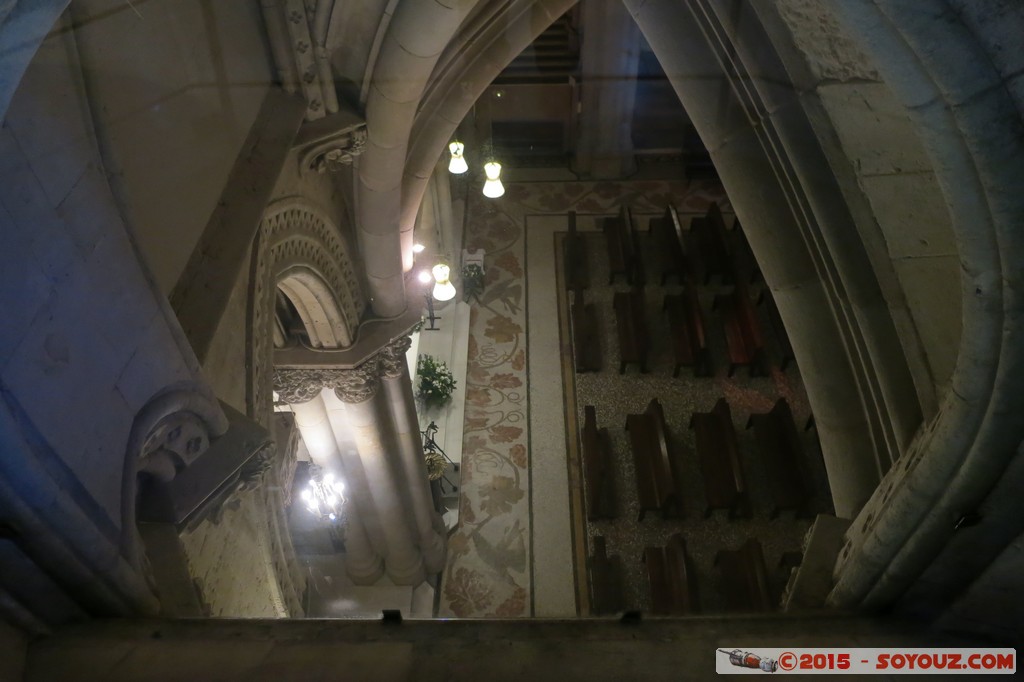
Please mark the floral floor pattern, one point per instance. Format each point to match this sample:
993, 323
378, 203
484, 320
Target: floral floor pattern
488, 569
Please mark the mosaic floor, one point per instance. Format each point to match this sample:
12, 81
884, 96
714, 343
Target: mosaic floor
491, 569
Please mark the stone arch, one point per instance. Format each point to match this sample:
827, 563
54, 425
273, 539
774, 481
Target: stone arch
315, 303
299, 249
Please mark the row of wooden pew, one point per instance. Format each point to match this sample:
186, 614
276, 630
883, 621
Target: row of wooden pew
673, 581
744, 341
716, 257
703, 252
725, 483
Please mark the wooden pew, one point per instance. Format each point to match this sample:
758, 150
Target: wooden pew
719, 455
586, 350
745, 578
605, 580
744, 342
597, 476
785, 347
782, 454
713, 254
631, 326
574, 252
689, 343
672, 579
618, 237
655, 484
638, 274
670, 240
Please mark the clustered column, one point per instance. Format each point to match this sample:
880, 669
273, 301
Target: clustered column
359, 388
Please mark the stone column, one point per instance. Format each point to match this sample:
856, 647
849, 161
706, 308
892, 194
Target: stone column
358, 388
398, 390
610, 53
362, 563
301, 390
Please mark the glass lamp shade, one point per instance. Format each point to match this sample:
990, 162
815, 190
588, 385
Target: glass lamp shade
444, 290
492, 186
458, 164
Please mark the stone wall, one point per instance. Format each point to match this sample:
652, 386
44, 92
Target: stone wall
175, 87
877, 139
91, 356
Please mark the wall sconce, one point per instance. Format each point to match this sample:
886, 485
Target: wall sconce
458, 164
492, 186
444, 290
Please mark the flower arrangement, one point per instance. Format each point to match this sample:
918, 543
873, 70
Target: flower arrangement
436, 382
435, 464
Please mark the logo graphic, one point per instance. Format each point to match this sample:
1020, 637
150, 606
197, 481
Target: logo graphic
744, 659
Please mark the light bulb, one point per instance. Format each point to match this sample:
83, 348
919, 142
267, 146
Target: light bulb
418, 248
493, 187
425, 276
458, 164
444, 290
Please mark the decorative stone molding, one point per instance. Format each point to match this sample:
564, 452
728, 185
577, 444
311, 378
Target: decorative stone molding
295, 233
297, 386
335, 153
359, 384
392, 357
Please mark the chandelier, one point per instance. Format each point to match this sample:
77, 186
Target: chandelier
324, 495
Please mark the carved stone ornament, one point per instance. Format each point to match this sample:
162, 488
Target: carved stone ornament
173, 444
392, 357
295, 386
359, 384
332, 155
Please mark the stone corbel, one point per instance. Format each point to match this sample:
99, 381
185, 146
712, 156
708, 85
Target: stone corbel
331, 155
233, 463
392, 357
331, 143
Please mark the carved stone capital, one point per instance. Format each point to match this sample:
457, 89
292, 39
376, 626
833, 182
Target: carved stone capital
295, 386
392, 357
359, 384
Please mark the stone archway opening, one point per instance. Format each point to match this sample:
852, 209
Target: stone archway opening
322, 320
